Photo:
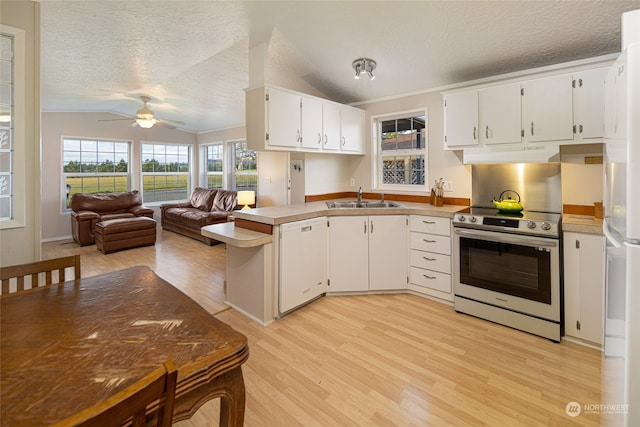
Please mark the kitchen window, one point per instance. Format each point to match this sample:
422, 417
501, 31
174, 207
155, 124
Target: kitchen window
166, 169
214, 159
245, 167
94, 166
401, 151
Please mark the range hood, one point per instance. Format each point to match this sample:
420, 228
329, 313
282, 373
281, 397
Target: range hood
512, 154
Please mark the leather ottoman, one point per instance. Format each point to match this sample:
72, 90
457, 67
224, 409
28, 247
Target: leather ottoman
124, 233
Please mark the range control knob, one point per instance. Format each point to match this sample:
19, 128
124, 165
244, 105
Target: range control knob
461, 218
472, 218
545, 226
531, 224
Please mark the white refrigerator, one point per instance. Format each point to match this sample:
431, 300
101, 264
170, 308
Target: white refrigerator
621, 373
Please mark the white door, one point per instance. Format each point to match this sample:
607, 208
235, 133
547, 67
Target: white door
348, 254
283, 109
591, 86
330, 127
461, 119
352, 129
311, 123
388, 252
549, 109
500, 114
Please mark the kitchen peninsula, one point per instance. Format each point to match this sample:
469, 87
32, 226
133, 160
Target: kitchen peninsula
260, 267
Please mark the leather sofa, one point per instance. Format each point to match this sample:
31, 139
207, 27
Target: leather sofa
89, 209
205, 207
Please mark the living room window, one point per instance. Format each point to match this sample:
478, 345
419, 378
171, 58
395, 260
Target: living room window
214, 158
6, 128
166, 170
245, 167
94, 166
401, 151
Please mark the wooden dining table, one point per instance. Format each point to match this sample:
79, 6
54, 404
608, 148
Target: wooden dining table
67, 347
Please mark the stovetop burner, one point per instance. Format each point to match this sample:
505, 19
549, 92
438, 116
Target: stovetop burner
524, 222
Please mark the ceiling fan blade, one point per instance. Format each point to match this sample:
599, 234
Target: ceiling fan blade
114, 120
164, 124
173, 122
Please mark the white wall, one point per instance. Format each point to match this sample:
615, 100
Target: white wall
55, 223
22, 244
582, 184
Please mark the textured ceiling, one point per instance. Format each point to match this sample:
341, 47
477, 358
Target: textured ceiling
192, 57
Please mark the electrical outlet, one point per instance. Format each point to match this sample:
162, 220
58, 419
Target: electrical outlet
352, 183
447, 186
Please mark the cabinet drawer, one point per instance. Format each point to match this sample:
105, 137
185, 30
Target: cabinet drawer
431, 261
430, 279
430, 224
431, 243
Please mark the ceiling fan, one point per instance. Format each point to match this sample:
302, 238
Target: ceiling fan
146, 119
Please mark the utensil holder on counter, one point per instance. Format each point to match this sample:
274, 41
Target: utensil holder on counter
598, 210
439, 201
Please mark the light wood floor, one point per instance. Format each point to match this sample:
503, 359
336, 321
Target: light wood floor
383, 360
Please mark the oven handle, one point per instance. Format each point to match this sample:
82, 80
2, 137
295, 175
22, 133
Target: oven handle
508, 238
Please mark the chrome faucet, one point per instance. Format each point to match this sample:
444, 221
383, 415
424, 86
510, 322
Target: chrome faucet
360, 195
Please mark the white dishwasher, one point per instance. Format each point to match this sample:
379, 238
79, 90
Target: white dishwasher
303, 262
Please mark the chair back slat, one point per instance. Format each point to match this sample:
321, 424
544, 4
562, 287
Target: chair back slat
33, 270
132, 403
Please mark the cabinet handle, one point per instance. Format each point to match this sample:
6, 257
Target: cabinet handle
325, 139
531, 127
307, 228
298, 137
344, 141
486, 132
475, 133
428, 277
581, 128
428, 259
428, 222
365, 227
319, 138
371, 229
428, 241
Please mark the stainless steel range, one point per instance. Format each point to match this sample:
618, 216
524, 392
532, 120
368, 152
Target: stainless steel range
507, 268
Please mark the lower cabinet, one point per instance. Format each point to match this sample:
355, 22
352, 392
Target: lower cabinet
303, 262
584, 258
367, 253
430, 256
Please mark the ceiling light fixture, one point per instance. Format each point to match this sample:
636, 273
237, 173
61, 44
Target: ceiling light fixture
146, 123
364, 65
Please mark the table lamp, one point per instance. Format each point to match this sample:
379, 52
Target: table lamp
246, 198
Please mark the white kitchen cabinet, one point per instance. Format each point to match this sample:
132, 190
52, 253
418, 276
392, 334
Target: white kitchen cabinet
311, 124
303, 262
367, 253
352, 127
584, 259
430, 256
500, 114
461, 119
548, 109
589, 99
284, 120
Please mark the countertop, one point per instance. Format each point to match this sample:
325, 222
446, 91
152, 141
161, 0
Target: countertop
276, 215
581, 224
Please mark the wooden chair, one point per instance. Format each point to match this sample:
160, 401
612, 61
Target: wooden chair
132, 402
19, 272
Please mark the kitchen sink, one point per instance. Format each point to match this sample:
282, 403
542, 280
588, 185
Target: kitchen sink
363, 204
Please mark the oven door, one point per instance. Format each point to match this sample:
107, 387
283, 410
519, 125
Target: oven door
516, 272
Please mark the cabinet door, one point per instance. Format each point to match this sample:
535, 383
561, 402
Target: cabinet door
461, 119
311, 123
303, 262
584, 286
590, 84
283, 110
352, 126
549, 109
331, 130
388, 254
348, 254
500, 114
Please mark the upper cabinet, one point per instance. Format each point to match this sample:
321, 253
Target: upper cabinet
560, 109
461, 119
278, 119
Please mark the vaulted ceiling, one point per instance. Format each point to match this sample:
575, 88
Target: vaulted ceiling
192, 57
